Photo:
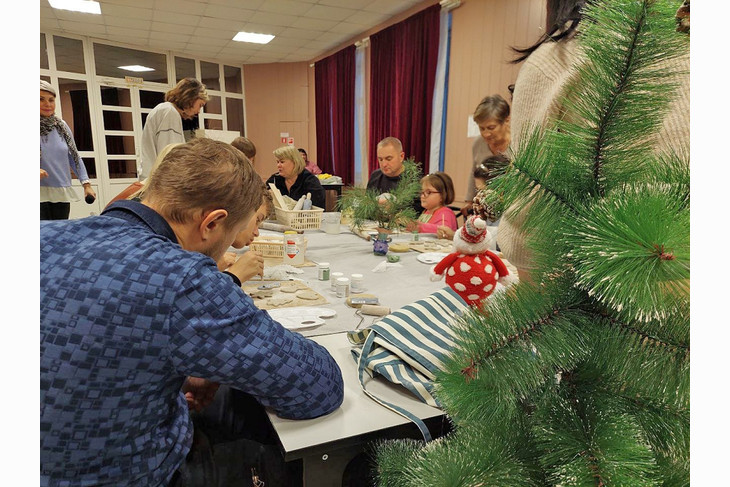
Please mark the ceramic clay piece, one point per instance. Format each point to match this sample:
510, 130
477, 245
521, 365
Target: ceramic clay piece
309, 295
280, 300
262, 293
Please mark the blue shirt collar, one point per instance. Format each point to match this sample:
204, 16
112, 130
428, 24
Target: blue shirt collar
136, 212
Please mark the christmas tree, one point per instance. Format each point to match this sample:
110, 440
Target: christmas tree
581, 377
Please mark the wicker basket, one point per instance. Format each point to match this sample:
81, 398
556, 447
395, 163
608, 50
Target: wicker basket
273, 247
301, 219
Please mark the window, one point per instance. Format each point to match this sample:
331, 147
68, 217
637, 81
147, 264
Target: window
213, 105
234, 110
232, 77
210, 76
69, 54
44, 52
184, 68
108, 60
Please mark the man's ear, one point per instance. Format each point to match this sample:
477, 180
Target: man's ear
211, 222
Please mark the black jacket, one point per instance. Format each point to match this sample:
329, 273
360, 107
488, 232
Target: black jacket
306, 183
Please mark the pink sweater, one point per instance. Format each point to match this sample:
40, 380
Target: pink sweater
442, 216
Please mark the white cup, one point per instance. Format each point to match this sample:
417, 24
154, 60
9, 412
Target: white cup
331, 222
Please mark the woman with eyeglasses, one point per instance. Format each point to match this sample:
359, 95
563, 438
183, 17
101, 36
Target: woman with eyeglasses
437, 191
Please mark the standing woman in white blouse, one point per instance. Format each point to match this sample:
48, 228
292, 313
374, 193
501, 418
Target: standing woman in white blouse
164, 123
58, 158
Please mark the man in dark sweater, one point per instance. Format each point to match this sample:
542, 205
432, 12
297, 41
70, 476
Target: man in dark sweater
390, 157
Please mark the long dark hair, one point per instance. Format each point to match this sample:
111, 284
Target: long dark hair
559, 12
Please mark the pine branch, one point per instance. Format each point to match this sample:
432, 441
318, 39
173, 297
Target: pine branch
442, 462
639, 235
365, 204
509, 349
637, 365
588, 439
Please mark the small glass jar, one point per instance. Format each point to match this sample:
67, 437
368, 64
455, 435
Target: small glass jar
323, 271
356, 283
343, 287
333, 283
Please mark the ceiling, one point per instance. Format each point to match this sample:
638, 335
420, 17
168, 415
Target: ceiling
304, 29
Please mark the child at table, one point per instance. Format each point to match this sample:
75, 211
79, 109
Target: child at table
437, 191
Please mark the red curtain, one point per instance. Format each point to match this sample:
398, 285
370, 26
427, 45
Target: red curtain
402, 76
334, 92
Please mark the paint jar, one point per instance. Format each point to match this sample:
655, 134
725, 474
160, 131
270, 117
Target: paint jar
356, 283
333, 283
323, 271
293, 248
343, 287
331, 222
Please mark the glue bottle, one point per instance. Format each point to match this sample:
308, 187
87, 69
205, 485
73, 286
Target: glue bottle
293, 251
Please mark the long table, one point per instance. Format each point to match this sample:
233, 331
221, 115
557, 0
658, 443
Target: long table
347, 253
325, 445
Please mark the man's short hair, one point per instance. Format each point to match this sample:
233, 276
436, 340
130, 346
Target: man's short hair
396, 143
245, 145
204, 175
289, 152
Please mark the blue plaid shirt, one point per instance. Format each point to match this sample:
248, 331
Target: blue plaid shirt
126, 315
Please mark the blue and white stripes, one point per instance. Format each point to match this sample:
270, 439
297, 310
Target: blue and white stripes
407, 347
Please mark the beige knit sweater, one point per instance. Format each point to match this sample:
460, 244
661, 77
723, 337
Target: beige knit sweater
538, 89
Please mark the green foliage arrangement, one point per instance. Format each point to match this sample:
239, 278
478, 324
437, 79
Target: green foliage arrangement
581, 378
391, 215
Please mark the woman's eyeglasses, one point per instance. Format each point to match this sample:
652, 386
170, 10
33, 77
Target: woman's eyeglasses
428, 193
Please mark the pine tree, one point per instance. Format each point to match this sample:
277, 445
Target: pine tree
582, 376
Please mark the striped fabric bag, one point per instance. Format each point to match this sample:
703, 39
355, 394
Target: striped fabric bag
407, 347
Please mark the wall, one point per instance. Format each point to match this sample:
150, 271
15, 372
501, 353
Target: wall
481, 36
278, 100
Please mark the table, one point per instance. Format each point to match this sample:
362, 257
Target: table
328, 443
337, 188
325, 445
349, 254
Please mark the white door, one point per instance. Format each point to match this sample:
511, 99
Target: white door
123, 109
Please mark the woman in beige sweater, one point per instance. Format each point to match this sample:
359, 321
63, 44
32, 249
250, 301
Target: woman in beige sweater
547, 70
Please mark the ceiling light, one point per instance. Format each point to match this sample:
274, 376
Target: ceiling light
136, 68
251, 37
85, 6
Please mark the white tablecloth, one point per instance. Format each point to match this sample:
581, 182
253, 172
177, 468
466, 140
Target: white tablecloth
350, 254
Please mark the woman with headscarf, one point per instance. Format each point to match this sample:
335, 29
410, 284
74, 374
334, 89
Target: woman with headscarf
58, 158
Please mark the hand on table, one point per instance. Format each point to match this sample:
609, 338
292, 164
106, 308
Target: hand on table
248, 265
199, 392
412, 226
444, 232
228, 259
44, 174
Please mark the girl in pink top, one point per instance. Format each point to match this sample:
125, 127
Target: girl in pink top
437, 191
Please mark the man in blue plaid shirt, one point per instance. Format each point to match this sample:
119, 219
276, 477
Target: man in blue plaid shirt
138, 325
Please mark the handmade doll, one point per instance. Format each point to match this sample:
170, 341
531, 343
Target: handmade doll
472, 270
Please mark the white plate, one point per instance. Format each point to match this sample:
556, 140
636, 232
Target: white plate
431, 257
303, 317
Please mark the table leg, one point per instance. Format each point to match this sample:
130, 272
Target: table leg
326, 469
